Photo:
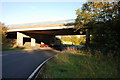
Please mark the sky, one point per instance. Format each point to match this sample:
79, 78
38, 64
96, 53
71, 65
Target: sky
31, 12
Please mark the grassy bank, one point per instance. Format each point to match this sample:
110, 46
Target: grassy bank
19, 48
16, 48
80, 64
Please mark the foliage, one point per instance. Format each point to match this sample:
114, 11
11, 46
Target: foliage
6, 43
74, 39
95, 11
4, 31
65, 38
77, 40
102, 19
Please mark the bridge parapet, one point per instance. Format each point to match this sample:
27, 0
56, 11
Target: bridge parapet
40, 28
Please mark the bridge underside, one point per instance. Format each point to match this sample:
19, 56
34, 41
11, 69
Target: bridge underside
37, 36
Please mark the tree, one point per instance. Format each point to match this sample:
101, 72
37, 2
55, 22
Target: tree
101, 20
85, 16
3, 33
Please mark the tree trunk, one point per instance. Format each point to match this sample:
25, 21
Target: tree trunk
87, 38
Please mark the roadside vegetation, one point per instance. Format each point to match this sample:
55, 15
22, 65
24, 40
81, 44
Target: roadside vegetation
16, 48
73, 39
3, 31
7, 44
101, 20
100, 56
73, 63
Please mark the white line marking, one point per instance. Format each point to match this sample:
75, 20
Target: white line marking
30, 77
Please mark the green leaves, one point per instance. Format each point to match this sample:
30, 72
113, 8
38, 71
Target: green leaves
102, 18
4, 31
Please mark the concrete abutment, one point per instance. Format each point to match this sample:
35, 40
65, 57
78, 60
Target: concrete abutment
20, 38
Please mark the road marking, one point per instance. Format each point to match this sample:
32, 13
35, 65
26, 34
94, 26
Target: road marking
36, 70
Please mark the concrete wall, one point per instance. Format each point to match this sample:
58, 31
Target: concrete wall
20, 38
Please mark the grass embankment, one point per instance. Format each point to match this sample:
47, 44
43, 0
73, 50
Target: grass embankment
19, 48
80, 64
16, 48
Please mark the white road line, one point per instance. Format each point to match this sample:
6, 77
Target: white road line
34, 72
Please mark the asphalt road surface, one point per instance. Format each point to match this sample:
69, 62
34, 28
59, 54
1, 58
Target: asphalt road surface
21, 63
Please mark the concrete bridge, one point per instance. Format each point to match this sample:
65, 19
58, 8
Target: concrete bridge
40, 33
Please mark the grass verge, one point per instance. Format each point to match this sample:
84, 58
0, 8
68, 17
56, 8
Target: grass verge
16, 48
80, 64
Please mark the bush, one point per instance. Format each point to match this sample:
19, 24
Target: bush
4, 33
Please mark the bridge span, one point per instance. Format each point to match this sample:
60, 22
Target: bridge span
40, 33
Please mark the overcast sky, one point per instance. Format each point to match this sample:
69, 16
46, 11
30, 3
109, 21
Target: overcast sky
30, 12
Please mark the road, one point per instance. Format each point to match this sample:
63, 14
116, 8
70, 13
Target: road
21, 63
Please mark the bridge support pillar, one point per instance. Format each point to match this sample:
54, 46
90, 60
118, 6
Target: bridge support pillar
19, 39
33, 42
